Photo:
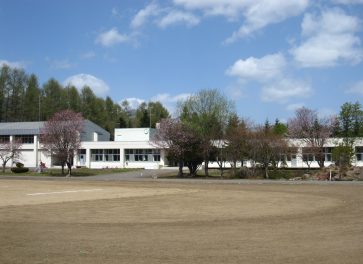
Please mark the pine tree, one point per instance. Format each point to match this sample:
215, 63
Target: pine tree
31, 102
53, 99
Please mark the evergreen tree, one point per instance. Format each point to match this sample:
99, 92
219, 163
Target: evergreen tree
122, 122
4, 77
21, 99
351, 120
279, 128
53, 99
31, 102
157, 112
88, 103
142, 116
73, 99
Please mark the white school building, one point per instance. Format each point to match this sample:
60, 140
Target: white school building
131, 148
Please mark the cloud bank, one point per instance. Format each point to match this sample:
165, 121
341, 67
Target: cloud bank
98, 86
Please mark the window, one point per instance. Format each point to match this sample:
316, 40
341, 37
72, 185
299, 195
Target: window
359, 153
105, 155
112, 154
156, 157
290, 155
25, 139
328, 154
142, 155
82, 151
308, 155
4, 139
96, 154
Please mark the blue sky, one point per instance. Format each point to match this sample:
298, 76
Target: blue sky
268, 56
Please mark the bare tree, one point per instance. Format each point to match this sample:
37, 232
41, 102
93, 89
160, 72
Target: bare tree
267, 148
237, 135
60, 136
9, 150
181, 143
314, 131
308, 156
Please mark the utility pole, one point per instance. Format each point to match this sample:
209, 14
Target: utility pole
39, 107
149, 116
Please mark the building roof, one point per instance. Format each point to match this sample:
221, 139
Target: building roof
21, 128
34, 128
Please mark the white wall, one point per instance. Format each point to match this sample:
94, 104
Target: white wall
132, 134
121, 145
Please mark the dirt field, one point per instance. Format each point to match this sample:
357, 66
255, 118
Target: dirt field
157, 222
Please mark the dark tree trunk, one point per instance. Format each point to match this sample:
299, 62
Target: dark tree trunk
180, 173
321, 161
69, 165
193, 167
266, 172
234, 168
206, 162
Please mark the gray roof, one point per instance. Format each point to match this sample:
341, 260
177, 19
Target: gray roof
33, 128
21, 128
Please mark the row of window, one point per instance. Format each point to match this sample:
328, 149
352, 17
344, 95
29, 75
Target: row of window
131, 155
142, 155
309, 157
24, 139
105, 155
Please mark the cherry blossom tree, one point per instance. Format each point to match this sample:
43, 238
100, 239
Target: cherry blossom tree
312, 130
60, 136
267, 147
181, 143
9, 150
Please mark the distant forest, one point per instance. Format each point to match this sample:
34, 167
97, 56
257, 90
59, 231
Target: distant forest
22, 98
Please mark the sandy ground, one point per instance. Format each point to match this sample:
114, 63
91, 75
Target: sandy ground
162, 222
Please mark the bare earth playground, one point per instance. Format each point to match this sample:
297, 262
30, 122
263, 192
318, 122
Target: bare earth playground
156, 221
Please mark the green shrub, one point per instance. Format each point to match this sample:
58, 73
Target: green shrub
19, 169
19, 165
280, 174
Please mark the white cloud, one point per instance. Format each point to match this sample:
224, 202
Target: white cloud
259, 14
175, 17
111, 37
98, 86
271, 72
228, 8
357, 88
285, 89
330, 39
170, 101
134, 102
256, 14
12, 64
167, 98
348, 2
143, 15
259, 69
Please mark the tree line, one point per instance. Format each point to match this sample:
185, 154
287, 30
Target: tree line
22, 98
208, 129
